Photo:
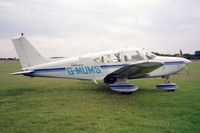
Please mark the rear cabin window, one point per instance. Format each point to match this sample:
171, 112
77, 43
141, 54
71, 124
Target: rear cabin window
99, 59
132, 56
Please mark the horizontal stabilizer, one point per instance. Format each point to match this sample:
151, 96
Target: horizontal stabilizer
23, 73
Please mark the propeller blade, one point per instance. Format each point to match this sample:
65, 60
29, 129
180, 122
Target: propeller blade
181, 53
187, 70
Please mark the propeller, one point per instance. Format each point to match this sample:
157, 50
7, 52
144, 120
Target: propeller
181, 54
187, 70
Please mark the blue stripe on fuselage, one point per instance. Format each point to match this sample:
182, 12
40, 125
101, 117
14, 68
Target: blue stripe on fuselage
63, 69
112, 66
102, 67
49, 70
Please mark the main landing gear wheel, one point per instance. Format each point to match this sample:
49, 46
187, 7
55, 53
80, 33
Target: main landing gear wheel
122, 85
167, 86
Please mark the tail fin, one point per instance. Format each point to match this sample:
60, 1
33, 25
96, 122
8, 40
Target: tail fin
27, 54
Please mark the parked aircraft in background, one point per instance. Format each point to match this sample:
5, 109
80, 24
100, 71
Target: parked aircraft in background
114, 67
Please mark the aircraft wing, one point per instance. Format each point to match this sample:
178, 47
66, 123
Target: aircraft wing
136, 70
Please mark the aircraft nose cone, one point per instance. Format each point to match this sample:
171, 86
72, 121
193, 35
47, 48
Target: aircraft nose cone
186, 61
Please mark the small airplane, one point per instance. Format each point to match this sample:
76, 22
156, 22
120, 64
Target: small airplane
114, 67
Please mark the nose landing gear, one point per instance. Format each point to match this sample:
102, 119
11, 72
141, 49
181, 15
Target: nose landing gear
168, 86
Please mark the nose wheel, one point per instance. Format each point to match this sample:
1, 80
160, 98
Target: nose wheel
168, 86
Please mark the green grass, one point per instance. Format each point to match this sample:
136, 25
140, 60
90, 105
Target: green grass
61, 105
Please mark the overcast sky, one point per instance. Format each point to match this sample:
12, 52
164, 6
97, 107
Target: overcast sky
75, 27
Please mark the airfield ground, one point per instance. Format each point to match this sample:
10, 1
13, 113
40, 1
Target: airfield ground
59, 105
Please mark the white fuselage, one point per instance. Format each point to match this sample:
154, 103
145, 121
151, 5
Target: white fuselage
98, 66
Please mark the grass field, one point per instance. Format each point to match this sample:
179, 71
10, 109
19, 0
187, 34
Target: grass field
60, 105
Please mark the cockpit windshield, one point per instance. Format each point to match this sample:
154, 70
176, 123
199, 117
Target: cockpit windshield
132, 56
149, 55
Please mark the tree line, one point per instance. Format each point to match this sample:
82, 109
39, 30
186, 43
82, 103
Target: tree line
194, 56
9, 58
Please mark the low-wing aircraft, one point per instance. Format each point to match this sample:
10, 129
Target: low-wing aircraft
114, 67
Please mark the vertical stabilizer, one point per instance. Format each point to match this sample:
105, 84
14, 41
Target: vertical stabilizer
27, 54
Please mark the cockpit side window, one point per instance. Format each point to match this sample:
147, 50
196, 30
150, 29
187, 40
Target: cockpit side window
113, 58
117, 55
132, 56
